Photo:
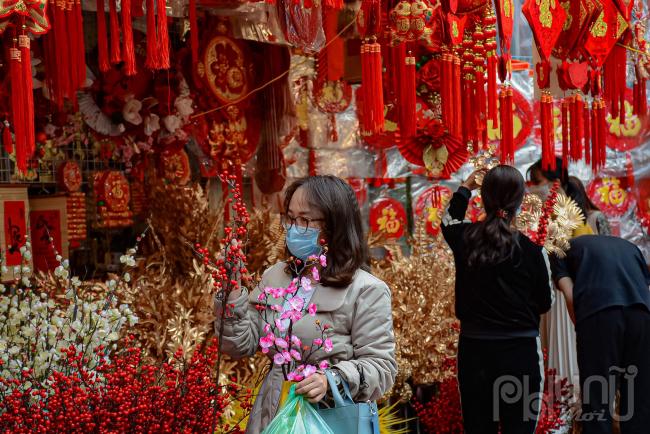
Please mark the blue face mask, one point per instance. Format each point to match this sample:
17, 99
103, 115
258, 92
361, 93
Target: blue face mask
302, 244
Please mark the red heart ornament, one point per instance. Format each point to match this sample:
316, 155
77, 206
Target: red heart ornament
578, 74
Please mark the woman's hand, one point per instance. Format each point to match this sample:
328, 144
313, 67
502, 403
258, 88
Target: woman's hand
313, 388
471, 183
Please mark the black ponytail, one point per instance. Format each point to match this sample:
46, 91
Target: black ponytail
494, 239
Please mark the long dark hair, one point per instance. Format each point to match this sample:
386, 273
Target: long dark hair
343, 230
575, 189
494, 240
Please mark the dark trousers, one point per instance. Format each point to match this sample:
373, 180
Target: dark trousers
500, 381
614, 354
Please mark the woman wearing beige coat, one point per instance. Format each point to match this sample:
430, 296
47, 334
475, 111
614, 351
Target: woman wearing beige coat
353, 302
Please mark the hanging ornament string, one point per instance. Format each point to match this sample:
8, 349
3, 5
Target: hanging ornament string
274, 79
102, 37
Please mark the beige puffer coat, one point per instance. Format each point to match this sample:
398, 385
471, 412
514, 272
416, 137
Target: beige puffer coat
363, 340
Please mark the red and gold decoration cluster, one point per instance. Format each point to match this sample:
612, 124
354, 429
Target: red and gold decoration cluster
70, 179
113, 195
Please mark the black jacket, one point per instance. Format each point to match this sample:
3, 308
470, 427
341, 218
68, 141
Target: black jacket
500, 301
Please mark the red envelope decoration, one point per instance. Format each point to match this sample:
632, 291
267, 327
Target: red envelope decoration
546, 19
387, 215
604, 33
580, 15
456, 28
626, 6
505, 20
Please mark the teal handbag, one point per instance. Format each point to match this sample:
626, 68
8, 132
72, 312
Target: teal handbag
347, 416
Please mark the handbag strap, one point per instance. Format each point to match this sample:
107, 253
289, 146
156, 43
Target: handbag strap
339, 400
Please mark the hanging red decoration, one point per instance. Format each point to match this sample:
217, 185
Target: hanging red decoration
387, 215
372, 110
194, 32
7, 139
609, 194
163, 34
604, 33
546, 19
102, 38
114, 23
505, 19
407, 99
431, 205
580, 15
369, 18
18, 101
565, 132
411, 21
128, 49
153, 55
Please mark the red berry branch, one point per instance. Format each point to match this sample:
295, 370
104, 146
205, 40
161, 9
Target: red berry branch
547, 212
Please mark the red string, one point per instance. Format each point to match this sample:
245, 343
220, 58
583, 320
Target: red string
565, 133
81, 47
587, 130
574, 127
102, 37
594, 136
127, 39
580, 107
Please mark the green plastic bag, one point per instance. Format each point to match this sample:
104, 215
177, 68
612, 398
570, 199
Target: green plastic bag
297, 416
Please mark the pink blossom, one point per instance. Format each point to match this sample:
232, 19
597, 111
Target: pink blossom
287, 356
278, 359
324, 364
266, 342
323, 261
261, 297
295, 355
267, 328
277, 292
306, 284
292, 315
296, 303
312, 309
295, 340
279, 325
309, 371
281, 343
315, 274
318, 342
328, 346
276, 308
293, 287
294, 376
267, 290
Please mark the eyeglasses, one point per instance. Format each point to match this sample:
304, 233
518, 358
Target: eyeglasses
300, 223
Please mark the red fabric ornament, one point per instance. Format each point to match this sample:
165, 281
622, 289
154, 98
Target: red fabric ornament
116, 56
505, 19
102, 38
604, 33
28, 94
128, 49
410, 21
431, 206
580, 15
387, 215
610, 195
369, 18
546, 20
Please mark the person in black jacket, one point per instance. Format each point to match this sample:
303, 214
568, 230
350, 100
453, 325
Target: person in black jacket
605, 283
502, 287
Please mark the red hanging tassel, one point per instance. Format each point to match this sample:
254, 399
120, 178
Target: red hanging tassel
587, 130
7, 140
28, 94
372, 89
334, 4
446, 82
19, 107
379, 88
602, 134
492, 91
510, 124
457, 105
116, 56
573, 128
548, 139
505, 148
81, 47
128, 48
163, 35
102, 38
480, 101
580, 107
194, 32
565, 132
594, 136
153, 56
407, 95
61, 87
